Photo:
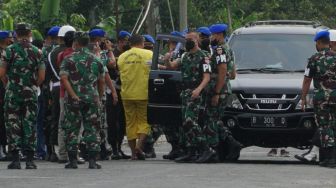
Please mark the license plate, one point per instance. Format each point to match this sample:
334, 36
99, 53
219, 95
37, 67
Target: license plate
268, 121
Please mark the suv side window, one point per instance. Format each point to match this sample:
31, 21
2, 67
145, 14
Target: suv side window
167, 49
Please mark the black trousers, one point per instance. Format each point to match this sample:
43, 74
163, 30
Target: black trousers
3, 140
55, 114
116, 122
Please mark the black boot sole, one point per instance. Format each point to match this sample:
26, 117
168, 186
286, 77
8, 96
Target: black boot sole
95, 166
14, 166
71, 167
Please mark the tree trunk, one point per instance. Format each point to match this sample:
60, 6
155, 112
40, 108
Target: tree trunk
183, 14
92, 17
153, 23
228, 5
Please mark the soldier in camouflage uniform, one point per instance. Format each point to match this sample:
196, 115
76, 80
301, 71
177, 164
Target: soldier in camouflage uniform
6, 39
321, 69
222, 63
25, 70
83, 76
195, 70
102, 49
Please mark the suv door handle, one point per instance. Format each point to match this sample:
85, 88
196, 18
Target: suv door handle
158, 81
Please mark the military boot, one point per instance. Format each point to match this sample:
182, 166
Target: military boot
173, 154
189, 156
234, 149
92, 161
333, 160
329, 160
29, 162
206, 155
15, 164
2, 153
72, 160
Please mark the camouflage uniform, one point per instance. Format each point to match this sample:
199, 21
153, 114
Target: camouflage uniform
322, 69
214, 129
83, 70
22, 61
155, 132
193, 65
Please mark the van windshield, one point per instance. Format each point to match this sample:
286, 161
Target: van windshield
273, 51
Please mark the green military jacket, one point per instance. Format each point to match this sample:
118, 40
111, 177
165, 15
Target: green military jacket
222, 54
83, 69
322, 69
193, 65
22, 61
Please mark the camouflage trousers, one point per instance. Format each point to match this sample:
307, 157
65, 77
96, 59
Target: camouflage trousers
77, 113
172, 133
325, 117
191, 134
214, 129
155, 133
20, 122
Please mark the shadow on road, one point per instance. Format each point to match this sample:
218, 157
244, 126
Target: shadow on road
282, 162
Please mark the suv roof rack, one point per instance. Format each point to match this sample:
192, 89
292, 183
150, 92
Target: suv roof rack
285, 22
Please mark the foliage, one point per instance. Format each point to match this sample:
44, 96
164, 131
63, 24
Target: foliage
50, 10
108, 24
85, 14
78, 21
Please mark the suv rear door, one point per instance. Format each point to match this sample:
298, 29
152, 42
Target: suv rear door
164, 87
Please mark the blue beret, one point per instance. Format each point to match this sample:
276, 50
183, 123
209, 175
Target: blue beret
218, 28
53, 31
124, 34
204, 30
177, 34
149, 38
322, 34
97, 33
5, 34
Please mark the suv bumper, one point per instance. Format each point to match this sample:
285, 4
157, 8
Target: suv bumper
298, 132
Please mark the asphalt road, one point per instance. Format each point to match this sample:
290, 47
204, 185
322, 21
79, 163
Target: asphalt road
254, 170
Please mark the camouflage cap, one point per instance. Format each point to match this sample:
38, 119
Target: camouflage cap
22, 26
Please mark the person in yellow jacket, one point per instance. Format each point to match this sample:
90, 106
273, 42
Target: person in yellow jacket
134, 67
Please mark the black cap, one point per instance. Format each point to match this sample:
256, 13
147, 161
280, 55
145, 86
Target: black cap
22, 26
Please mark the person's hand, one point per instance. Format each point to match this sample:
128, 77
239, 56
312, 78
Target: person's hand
162, 67
167, 56
214, 100
97, 49
303, 103
195, 94
75, 98
115, 98
109, 45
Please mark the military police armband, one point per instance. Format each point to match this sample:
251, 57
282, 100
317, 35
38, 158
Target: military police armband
220, 56
307, 72
221, 59
206, 68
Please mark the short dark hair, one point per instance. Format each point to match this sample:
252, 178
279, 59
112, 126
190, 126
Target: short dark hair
22, 32
69, 38
82, 38
325, 40
136, 39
